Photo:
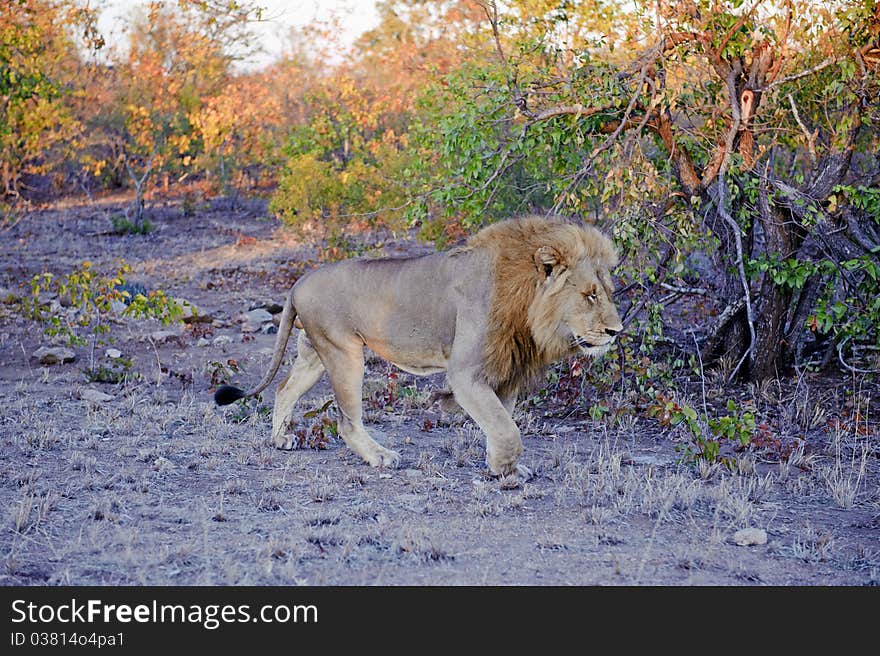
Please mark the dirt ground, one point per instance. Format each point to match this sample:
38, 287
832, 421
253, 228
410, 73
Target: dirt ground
157, 486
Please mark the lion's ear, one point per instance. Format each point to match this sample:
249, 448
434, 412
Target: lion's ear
548, 261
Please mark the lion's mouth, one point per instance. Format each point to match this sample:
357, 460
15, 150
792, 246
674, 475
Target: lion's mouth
581, 342
590, 348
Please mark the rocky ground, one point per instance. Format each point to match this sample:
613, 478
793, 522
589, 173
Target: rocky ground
140, 479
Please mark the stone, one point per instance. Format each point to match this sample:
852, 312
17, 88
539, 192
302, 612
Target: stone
162, 336
220, 340
269, 329
248, 327
258, 316
191, 313
94, 396
749, 537
113, 353
202, 342
54, 355
163, 464
270, 307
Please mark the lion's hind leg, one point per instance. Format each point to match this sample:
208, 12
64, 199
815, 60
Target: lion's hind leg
306, 371
345, 367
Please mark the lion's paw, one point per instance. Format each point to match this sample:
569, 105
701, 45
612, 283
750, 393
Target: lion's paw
516, 473
282, 441
524, 473
383, 457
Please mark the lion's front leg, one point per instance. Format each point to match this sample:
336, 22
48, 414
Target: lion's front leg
503, 442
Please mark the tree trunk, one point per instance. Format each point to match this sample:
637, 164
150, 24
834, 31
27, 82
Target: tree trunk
774, 301
769, 234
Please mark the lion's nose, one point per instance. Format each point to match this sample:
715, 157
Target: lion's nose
611, 332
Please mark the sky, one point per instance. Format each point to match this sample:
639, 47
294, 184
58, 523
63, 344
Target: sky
357, 16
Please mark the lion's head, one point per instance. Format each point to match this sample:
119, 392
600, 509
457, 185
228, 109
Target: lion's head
552, 295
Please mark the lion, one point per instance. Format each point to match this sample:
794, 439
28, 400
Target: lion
493, 314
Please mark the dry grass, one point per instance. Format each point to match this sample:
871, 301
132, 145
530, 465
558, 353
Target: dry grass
845, 477
160, 487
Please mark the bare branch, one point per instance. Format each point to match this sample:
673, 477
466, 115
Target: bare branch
721, 201
519, 98
721, 322
687, 175
695, 291
856, 370
858, 234
811, 138
730, 81
577, 109
797, 76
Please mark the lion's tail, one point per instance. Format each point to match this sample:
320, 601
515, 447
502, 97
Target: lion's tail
227, 394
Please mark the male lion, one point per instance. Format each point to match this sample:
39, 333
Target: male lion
493, 314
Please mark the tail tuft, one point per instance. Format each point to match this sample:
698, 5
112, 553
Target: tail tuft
227, 394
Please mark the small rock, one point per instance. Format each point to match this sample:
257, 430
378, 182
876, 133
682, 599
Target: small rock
258, 316
113, 353
163, 464
413, 473
202, 342
220, 340
54, 355
191, 313
198, 318
94, 396
269, 329
268, 306
248, 327
161, 336
749, 537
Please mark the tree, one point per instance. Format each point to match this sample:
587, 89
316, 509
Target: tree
348, 156
170, 108
38, 59
748, 129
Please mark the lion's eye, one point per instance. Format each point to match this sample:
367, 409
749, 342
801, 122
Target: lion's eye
591, 297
